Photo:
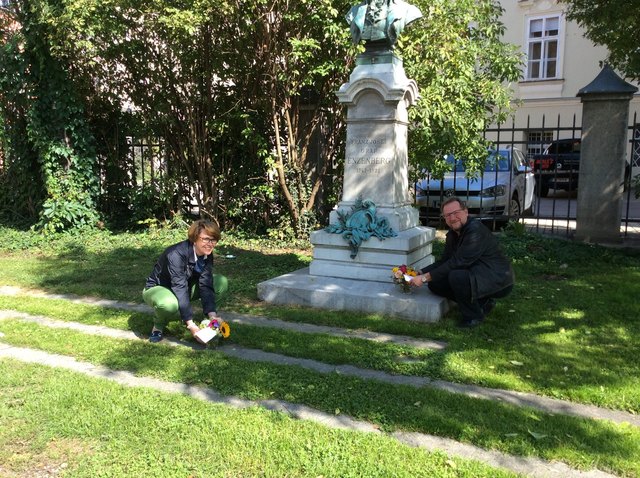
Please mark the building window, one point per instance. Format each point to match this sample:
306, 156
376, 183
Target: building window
543, 49
536, 142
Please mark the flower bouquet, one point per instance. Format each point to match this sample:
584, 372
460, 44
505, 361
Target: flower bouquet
210, 328
402, 276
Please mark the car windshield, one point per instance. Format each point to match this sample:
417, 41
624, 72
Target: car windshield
495, 162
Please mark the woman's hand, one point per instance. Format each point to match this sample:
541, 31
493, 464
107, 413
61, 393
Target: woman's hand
194, 329
214, 316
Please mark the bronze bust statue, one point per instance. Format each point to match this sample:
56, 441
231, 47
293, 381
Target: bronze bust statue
380, 21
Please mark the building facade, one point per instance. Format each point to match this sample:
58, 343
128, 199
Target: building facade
559, 61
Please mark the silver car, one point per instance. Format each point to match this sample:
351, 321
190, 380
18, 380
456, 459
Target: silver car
503, 192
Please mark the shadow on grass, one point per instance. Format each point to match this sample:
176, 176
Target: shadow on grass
481, 422
121, 273
598, 348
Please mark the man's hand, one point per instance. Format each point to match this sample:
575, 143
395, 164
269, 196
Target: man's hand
419, 280
416, 281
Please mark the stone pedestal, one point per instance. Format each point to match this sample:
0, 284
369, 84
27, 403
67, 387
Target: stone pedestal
376, 160
377, 96
375, 259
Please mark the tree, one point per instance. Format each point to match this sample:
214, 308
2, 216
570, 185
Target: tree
614, 24
301, 57
21, 191
463, 69
242, 91
52, 116
162, 60
212, 76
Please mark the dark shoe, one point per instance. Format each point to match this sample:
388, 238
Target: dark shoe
469, 324
156, 336
488, 306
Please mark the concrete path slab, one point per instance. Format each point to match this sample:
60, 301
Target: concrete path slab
532, 467
335, 331
235, 318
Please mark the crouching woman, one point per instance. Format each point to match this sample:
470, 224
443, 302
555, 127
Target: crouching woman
182, 273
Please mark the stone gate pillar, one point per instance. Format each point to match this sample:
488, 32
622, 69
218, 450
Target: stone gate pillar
605, 116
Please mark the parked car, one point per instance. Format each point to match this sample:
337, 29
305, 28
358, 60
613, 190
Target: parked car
503, 191
558, 166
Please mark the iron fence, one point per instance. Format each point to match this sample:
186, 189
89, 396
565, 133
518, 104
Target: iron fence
549, 210
555, 170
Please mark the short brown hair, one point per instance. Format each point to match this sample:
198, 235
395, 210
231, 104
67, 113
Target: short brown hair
463, 204
210, 228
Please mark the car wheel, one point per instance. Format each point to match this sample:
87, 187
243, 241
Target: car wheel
514, 209
627, 177
543, 190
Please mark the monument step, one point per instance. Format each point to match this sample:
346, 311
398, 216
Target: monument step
333, 293
376, 273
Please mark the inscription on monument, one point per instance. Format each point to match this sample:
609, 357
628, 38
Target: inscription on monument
363, 154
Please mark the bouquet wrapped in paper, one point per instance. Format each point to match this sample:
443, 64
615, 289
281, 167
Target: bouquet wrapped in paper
211, 328
402, 276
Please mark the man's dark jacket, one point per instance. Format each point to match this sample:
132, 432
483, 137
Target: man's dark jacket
474, 248
175, 270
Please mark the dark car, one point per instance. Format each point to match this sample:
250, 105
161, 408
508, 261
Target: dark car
558, 166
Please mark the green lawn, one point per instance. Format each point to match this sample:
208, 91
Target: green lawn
58, 420
570, 330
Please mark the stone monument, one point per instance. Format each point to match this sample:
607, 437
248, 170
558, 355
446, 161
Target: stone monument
375, 186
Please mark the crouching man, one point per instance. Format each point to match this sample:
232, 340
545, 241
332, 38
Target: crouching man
473, 271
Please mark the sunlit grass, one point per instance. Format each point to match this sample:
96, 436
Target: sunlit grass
580, 442
570, 330
89, 427
552, 363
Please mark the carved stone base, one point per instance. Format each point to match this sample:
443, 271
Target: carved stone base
375, 258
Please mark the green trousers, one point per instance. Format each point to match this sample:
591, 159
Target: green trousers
165, 303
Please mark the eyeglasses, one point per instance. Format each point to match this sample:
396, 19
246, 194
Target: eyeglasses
452, 213
208, 240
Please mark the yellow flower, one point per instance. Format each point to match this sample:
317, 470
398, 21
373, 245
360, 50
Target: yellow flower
225, 330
